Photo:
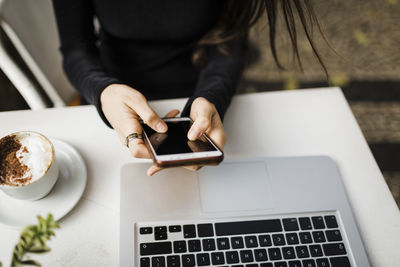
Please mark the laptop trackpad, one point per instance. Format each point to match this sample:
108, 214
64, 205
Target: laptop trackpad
236, 186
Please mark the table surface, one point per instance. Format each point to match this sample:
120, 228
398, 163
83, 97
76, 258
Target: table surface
284, 123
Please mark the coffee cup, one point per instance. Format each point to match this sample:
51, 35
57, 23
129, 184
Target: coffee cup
28, 167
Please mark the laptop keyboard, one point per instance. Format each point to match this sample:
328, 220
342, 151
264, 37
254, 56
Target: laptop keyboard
289, 241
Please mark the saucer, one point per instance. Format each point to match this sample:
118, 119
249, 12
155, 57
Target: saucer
62, 198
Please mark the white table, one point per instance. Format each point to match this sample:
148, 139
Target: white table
290, 123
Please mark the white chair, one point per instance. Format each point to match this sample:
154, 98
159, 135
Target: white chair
31, 27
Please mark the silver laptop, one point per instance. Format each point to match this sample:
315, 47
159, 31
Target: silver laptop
264, 212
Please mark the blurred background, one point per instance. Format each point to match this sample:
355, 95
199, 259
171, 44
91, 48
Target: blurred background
364, 62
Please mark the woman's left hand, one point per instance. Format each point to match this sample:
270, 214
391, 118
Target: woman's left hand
205, 120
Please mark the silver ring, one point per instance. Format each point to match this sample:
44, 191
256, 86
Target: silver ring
131, 137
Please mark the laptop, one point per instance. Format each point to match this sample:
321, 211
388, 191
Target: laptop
262, 212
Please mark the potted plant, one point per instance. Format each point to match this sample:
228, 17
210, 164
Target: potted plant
33, 239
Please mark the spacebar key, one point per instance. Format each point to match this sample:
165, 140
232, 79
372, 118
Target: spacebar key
248, 227
156, 248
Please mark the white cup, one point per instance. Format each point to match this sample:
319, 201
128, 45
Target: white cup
40, 159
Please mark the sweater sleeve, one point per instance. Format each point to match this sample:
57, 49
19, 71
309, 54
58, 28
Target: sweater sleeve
81, 60
218, 79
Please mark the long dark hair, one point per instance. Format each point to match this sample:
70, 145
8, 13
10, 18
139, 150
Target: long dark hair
238, 16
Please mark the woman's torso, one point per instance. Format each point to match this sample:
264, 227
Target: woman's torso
148, 44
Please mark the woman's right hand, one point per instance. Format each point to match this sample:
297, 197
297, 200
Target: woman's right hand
123, 106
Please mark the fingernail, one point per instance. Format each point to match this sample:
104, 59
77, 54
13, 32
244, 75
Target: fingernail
193, 133
161, 127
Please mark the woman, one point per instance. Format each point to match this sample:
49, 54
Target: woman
154, 49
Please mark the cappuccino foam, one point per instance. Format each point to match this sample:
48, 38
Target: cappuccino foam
37, 156
34, 157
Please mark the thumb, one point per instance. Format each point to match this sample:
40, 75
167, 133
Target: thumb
147, 114
200, 125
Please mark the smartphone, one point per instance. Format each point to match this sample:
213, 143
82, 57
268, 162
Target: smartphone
173, 148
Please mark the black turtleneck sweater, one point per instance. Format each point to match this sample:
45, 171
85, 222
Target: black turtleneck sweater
148, 45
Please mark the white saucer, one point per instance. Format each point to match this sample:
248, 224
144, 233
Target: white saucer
62, 198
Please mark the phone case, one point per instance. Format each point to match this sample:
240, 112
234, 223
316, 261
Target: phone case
185, 162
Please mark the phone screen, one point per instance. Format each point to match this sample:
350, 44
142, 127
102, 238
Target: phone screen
175, 140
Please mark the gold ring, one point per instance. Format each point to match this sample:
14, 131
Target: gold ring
131, 137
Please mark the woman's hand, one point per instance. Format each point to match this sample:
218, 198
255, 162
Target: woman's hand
123, 106
205, 120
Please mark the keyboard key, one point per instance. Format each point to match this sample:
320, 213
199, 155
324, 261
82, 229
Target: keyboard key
302, 252
290, 224
145, 230
246, 256
265, 240
252, 265
318, 236
266, 264
173, 261
331, 221
248, 227
160, 230
292, 239
288, 253
260, 254
203, 259
237, 242
294, 264
340, 262
174, 228
205, 230
155, 248
334, 249
188, 260
160, 236
180, 246
322, 262
279, 239
316, 250
217, 258
305, 238
305, 223
158, 262
309, 263
223, 243
274, 254
251, 241
280, 264
232, 257
194, 245
189, 231
333, 235
318, 222
144, 262
208, 244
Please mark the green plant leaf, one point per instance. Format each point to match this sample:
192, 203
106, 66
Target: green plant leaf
33, 239
15, 263
42, 249
43, 239
31, 262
